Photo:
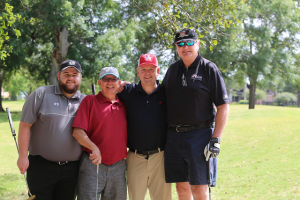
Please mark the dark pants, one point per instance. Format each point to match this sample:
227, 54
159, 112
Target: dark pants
50, 181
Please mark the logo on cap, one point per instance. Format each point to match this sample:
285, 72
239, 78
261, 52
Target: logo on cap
148, 57
72, 62
182, 34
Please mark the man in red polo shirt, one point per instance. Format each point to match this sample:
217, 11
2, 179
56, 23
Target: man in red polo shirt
100, 126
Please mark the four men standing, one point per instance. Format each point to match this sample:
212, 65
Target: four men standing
183, 104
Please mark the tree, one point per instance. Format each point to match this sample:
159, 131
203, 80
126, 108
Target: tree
7, 21
99, 33
269, 36
259, 95
21, 82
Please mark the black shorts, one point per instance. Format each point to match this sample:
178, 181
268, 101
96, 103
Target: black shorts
185, 160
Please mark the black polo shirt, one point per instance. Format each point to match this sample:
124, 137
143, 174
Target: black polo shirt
146, 117
193, 104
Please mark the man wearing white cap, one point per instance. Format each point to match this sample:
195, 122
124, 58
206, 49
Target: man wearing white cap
100, 127
147, 128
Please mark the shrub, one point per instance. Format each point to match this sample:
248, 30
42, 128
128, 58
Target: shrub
243, 102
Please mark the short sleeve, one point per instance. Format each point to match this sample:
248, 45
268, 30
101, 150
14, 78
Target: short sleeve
31, 108
83, 114
217, 86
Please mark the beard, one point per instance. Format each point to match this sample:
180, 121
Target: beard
65, 88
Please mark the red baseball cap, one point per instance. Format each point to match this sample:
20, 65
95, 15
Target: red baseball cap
148, 58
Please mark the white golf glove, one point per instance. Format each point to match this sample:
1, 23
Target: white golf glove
212, 149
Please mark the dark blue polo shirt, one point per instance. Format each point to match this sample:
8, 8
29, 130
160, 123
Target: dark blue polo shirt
146, 117
193, 104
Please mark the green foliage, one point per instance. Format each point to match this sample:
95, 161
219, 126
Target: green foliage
267, 39
21, 82
286, 98
209, 18
244, 102
7, 20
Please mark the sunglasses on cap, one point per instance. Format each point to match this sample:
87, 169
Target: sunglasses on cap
188, 43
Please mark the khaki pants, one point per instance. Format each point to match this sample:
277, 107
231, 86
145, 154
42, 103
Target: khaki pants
147, 173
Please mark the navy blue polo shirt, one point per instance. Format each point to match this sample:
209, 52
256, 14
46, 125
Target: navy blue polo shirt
193, 103
146, 117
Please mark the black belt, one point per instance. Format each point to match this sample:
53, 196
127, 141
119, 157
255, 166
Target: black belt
147, 153
57, 162
185, 128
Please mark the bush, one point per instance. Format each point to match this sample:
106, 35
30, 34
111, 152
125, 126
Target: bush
285, 98
243, 102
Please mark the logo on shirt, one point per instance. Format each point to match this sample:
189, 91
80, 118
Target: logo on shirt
225, 97
56, 104
195, 77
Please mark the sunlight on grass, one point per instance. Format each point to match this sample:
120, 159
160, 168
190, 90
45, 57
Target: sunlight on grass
259, 156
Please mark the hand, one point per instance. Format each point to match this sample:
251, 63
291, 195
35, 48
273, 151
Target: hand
121, 86
120, 89
212, 149
23, 164
95, 156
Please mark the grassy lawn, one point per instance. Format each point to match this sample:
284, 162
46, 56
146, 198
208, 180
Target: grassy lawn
259, 155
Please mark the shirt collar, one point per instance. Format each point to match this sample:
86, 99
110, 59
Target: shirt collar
59, 92
139, 87
102, 99
194, 64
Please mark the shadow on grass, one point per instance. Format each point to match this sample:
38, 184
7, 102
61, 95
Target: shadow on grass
16, 116
8, 189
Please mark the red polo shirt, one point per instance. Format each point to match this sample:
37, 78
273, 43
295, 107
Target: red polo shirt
105, 124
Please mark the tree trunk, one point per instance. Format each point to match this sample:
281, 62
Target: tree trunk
1, 81
252, 92
59, 53
298, 99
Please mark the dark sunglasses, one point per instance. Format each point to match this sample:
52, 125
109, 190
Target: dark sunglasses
109, 79
188, 43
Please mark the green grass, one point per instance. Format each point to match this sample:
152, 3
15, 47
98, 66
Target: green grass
259, 155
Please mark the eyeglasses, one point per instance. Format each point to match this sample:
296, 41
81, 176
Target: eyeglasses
109, 79
184, 83
188, 43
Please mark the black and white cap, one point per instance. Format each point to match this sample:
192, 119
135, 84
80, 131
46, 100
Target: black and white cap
70, 63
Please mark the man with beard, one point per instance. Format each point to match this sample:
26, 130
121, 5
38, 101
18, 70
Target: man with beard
45, 131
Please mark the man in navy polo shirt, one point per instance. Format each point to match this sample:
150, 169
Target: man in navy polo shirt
147, 129
194, 86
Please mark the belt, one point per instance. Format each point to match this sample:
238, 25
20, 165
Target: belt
185, 128
57, 162
147, 153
